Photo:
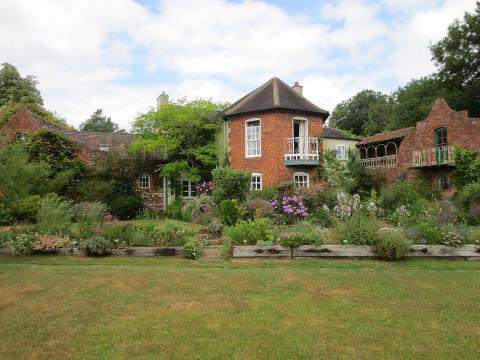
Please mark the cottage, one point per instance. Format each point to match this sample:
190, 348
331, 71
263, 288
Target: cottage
335, 141
425, 150
275, 133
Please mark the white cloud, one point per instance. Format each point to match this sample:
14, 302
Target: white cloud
87, 54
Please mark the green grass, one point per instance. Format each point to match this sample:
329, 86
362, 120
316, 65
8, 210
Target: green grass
172, 308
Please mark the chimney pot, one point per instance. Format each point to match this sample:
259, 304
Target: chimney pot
298, 88
162, 99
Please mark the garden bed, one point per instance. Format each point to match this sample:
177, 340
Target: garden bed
468, 252
127, 251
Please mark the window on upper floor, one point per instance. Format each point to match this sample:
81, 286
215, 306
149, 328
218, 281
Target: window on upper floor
21, 136
144, 181
440, 138
189, 189
301, 179
253, 138
256, 182
342, 152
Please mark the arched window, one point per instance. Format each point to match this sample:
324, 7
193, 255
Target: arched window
301, 179
21, 136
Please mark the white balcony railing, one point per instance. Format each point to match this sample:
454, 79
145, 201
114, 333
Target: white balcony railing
301, 148
443, 155
381, 162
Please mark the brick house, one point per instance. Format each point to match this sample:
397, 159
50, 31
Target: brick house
425, 150
275, 133
93, 146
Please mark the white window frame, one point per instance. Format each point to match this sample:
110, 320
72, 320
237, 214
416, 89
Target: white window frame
104, 147
342, 151
302, 183
260, 182
142, 182
21, 136
190, 192
259, 138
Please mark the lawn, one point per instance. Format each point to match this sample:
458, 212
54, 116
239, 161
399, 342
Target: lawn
170, 308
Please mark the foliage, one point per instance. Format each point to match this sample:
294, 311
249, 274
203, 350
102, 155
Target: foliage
457, 59
47, 243
16, 90
335, 173
259, 208
99, 122
22, 244
472, 235
379, 114
174, 210
249, 232
215, 227
289, 209
170, 234
453, 236
59, 152
230, 211
426, 232
352, 114
87, 215
358, 229
469, 203
193, 249
200, 210
267, 193
182, 133
323, 216
230, 184
26, 208
122, 234
391, 245
125, 206
467, 167
291, 240
346, 205
205, 187
397, 194
360, 182
96, 246
445, 212
54, 215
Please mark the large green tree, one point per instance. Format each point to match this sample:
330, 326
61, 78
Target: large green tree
16, 90
457, 57
352, 114
182, 133
379, 114
99, 122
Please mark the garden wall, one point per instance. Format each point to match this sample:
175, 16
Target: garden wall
469, 252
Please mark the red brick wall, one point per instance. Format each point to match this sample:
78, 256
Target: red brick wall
461, 130
22, 121
275, 127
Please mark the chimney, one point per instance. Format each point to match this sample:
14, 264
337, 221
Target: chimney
162, 99
298, 88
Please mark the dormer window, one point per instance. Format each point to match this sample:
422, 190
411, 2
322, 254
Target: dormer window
21, 136
104, 147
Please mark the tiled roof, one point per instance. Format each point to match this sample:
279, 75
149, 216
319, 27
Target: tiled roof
94, 140
396, 134
274, 94
332, 133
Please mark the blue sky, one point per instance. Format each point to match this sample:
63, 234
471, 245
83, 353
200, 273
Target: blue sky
120, 54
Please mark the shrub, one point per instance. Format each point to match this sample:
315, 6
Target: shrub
472, 235
230, 211
227, 248
469, 202
174, 210
259, 208
125, 207
249, 232
96, 246
398, 194
313, 196
445, 212
291, 241
200, 210
193, 249
323, 216
453, 236
391, 245
6, 237
87, 215
22, 244
26, 209
426, 232
289, 209
48, 243
230, 184
267, 193
215, 227
54, 215
359, 229
120, 234
205, 187
170, 234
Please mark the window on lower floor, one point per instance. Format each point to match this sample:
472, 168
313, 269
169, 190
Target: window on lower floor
144, 182
21, 136
443, 182
104, 147
256, 183
188, 189
301, 179
342, 152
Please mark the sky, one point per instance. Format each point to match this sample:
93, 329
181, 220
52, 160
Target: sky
119, 55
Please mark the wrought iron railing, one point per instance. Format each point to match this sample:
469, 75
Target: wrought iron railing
301, 148
381, 162
443, 155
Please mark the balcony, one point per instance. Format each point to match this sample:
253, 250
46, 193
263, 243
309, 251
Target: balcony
381, 162
301, 151
433, 157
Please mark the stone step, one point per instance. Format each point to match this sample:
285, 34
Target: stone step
212, 253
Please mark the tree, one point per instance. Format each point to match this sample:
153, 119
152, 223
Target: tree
352, 114
16, 90
379, 114
99, 122
181, 133
457, 57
